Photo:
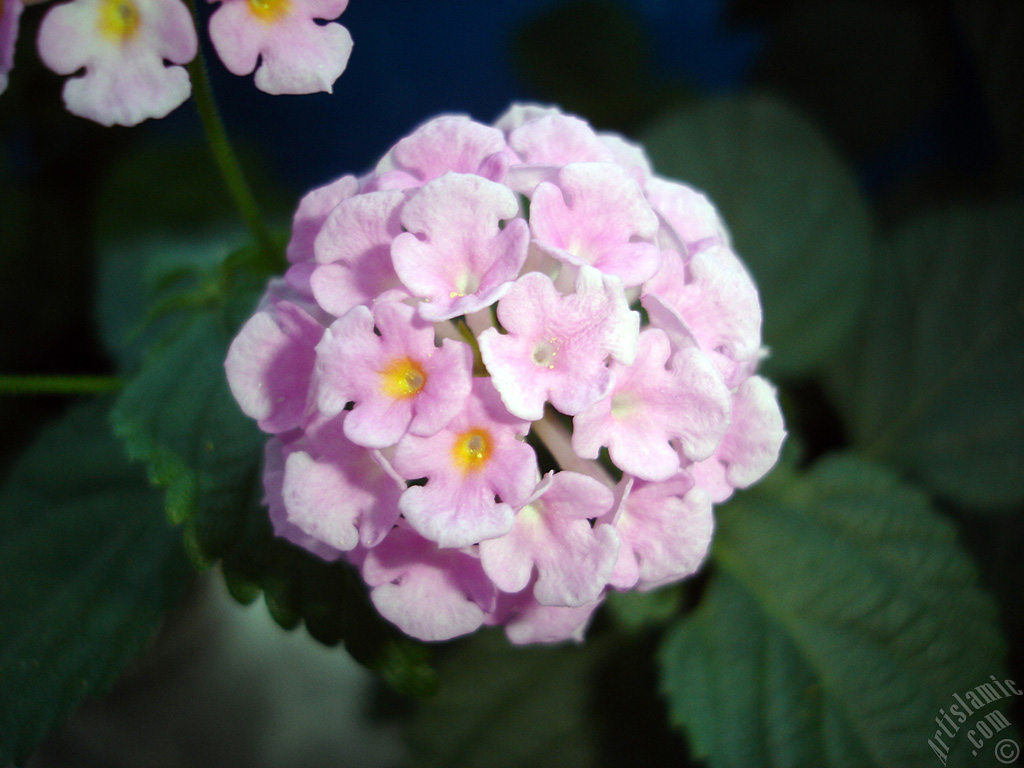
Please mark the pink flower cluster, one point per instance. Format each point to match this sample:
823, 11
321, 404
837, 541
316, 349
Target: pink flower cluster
460, 334
131, 51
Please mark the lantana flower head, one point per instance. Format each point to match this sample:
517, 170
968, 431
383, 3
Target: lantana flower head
508, 370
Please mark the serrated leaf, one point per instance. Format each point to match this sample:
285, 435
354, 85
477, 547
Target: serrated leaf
179, 416
88, 569
842, 619
501, 705
796, 215
937, 386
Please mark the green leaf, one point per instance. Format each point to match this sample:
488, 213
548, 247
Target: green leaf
140, 275
88, 569
501, 705
179, 416
842, 619
639, 611
796, 215
937, 386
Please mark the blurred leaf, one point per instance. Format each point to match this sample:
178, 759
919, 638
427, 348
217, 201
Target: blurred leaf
134, 273
88, 569
504, 706
937, 386
843, 618
167, 186
796, 215
637, 611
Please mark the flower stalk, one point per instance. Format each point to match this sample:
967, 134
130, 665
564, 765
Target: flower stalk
59, 385
267, 258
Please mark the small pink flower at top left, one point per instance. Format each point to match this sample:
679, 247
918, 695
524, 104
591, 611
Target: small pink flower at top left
123, 46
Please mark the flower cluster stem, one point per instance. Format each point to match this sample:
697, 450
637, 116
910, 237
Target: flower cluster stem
268, 259
557, 440
479, 369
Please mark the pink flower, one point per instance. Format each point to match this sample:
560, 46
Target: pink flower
751, 446
664, 397
270, 363
665, 529
552, 537
450, 143
463, 246
10, 12
713, 295
691, 220
596, 214
312, 213
556, 346
293, 53
477, 471
273, 497
556, 139
385, 362
458, 322
353, 252
430, 593
123, 46
338, 492
527, 621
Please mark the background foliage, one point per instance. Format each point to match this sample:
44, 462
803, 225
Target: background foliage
868, 159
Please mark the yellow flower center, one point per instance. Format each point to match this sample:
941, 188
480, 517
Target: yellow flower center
472, 449
402, 378
270, 11
466, 284
118, 19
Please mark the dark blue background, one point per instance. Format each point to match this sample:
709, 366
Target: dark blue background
416, 58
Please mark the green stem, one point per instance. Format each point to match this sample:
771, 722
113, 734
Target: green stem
227, 162
558, 441
479, 369
59, 385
